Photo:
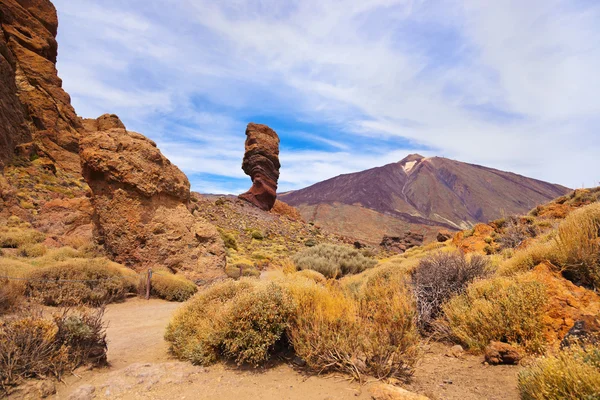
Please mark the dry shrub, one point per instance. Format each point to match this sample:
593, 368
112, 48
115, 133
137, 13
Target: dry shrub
314, 276
11, 294
500, 309
255, 322
168, 286
239, 320
16, 237
333, 261
80, 281
578, 246
34, 347
373, 333
240, 269
572, 374
441, 276
526, 259
33, 250
515, 231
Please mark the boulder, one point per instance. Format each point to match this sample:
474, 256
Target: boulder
140, 202
497, 353
382, 391
444, 235
399, 244
584, 331
261, 163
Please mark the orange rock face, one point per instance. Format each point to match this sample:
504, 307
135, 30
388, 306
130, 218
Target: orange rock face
140, 205
37, 106
261, 162
567, 303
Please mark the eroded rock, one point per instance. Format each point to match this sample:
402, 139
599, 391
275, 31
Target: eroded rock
261, 163
140, 202
497, 353
399, 244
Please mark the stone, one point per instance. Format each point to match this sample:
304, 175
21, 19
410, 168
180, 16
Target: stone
455, 351
83, 392
444, 235
382, 391
140, 202
399, 244
584, 331
261, 163
497, 353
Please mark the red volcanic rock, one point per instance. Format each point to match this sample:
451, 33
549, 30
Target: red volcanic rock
34, 105
140, 202
261, 162
497, 353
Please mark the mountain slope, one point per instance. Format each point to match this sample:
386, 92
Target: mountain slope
419, 194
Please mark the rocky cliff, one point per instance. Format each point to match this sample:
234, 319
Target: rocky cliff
136, 203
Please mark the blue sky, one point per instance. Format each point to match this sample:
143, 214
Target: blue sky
347, 84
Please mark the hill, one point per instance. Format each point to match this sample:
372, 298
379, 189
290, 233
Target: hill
417, 194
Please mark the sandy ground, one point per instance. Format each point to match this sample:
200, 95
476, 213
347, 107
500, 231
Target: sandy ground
141, 368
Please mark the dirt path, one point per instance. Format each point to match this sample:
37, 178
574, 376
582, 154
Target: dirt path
141, 368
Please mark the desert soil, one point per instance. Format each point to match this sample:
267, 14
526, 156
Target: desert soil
141, 368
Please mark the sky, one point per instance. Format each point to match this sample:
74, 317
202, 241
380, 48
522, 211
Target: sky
347, 84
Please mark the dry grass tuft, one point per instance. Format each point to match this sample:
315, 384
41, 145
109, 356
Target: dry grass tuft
500, 309
573, 374
578, 246
372, 334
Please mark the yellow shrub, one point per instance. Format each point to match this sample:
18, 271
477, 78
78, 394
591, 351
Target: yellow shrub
499, 309
315, 276
15, 237
241, 320
76, 281
578, 245
573, 374
170, 287
33, 250
526, 259
374, 334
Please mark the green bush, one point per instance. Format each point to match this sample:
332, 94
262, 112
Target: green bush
333, 261
573, 374
258, 235
500, 309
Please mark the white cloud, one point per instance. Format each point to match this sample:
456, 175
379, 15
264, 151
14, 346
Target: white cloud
507, 84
